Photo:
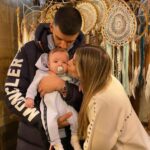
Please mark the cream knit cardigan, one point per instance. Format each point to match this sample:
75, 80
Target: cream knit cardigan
113, 122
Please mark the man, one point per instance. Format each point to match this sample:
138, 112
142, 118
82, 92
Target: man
63, 33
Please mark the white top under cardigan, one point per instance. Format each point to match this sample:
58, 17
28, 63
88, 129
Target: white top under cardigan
113, 122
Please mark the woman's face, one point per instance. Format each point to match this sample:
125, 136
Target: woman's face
72, 70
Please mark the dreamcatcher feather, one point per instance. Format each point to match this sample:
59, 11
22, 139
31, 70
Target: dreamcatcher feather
147, 70
141, 12
118, 30
134, 69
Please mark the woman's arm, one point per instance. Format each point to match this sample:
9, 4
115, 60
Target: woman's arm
105, 122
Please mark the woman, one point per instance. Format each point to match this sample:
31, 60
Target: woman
107, 120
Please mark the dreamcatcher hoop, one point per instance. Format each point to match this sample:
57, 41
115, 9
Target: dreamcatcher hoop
101, 8
109, 2
141, 17
29, 24
32, 18
50, 12
119, 26
89, 16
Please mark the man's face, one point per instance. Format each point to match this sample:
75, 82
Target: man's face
61, 40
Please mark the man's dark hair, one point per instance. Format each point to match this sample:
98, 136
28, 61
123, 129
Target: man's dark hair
68, 19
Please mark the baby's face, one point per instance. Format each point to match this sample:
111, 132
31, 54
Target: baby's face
58, 59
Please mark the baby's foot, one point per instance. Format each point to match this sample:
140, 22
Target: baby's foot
75, 142
58, 147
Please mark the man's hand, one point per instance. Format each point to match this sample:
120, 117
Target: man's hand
62, 121
50, 83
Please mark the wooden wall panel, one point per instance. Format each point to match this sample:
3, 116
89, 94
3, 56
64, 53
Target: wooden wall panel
8, 48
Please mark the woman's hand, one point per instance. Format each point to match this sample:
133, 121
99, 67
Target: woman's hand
50, 83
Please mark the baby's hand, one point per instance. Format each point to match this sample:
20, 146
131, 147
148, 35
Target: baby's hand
29, 102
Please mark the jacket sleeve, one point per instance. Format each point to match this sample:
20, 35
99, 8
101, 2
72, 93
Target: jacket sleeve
17, 82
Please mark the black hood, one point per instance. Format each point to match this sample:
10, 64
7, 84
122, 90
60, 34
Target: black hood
41, 33
43, 30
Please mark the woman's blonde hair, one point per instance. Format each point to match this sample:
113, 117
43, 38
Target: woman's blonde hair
94, 68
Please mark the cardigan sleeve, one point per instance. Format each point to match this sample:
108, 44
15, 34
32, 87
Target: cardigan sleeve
105, 124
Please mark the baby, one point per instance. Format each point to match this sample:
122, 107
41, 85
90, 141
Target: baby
52, 104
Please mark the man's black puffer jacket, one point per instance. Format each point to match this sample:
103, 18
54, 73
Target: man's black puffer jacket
31, 135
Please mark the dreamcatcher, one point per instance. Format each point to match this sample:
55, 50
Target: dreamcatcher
141, 14
92, 13
89, 19
26, 26
118, 30
50, 12
50, 8
141, 38
29, 23
89, 16
101, 8
40, 11
109, 2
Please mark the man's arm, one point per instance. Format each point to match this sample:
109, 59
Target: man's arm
52, 83
17, 82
